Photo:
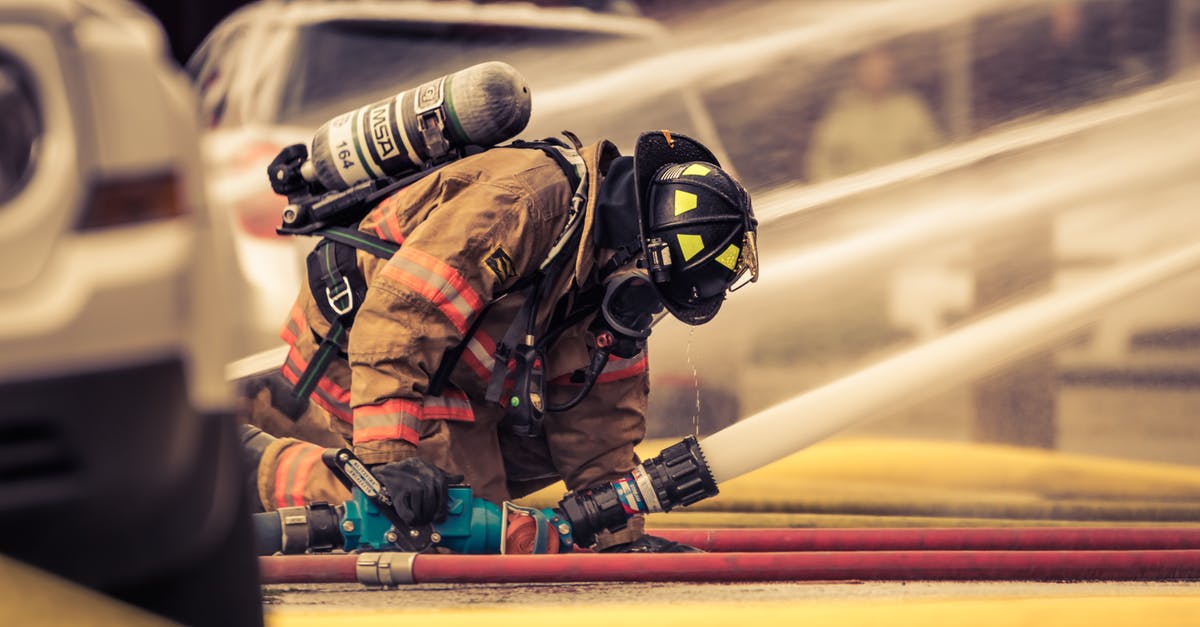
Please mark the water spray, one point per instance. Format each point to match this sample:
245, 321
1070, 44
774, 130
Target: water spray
956, 358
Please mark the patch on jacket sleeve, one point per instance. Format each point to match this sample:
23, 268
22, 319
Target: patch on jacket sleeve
501, 264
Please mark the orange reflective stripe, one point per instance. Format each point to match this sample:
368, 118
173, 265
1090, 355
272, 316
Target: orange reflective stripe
453, 404
334, 398
480, 355
384, 221
284, 471
615, 370
295, 326
304, 467
393, 419
438, 283
386, 433
391, 228
389, 406
294, 365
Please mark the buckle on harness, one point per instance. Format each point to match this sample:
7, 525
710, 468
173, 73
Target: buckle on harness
343, 294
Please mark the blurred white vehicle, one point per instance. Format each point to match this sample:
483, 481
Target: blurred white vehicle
117, 461
273, 72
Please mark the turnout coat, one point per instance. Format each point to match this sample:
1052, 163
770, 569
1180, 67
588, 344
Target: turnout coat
468, 232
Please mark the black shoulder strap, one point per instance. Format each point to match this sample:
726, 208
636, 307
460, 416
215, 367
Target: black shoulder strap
333, 276
338, 288
553, 146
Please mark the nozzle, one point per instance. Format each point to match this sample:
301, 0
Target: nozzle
677, 477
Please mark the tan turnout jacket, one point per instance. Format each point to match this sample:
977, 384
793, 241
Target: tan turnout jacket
467, 232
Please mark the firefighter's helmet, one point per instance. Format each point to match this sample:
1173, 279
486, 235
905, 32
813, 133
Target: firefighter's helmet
697, 226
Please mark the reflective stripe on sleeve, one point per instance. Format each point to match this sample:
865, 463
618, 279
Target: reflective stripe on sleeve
438, 283
616, 369
453, 404
393, 419
480, 355
382, 220
295, 327
292, 472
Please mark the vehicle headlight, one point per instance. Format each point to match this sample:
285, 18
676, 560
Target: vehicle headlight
20, 127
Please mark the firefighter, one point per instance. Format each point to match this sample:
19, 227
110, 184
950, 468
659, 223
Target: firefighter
516, 266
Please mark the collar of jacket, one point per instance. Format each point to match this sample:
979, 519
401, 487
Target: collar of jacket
597, 157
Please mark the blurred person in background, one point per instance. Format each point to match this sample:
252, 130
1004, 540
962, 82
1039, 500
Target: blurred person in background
465, 280
1080, 61
872, 121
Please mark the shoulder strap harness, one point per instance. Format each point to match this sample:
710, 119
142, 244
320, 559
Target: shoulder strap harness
338, 286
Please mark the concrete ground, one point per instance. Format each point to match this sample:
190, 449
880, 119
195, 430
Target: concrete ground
894, 604
284, 598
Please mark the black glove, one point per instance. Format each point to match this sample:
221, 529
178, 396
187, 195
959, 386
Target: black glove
651, 544
418, 489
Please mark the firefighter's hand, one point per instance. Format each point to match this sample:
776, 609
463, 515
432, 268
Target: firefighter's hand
418, 489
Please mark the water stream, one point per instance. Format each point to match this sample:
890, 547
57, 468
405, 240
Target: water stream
932, 367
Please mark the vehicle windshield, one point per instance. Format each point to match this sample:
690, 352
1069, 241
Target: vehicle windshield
340, 65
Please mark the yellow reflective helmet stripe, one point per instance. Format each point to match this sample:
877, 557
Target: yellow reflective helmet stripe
729, 258
684, 201
690, 245
696, 169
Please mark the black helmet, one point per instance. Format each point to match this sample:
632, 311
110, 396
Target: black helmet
697, 226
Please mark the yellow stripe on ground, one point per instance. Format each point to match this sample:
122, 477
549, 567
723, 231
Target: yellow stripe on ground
1082, 611
934, 479
983, 466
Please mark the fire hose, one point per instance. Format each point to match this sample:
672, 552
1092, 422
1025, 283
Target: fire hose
394, 568
936, 539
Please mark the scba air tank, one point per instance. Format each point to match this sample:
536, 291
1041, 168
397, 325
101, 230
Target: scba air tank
482, 105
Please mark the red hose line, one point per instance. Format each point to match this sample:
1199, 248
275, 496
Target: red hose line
307, 568
954, 539
726, 567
